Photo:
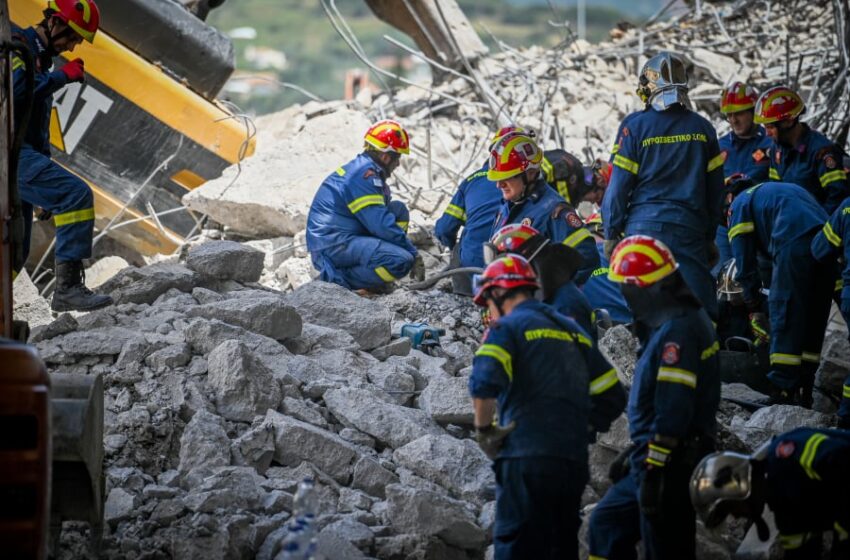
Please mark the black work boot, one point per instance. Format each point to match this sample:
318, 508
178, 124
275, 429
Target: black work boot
71, 293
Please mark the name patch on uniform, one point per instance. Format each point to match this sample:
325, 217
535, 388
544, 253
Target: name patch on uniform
526, 221
574, 220
785, 449
670, 354
758, 155
830, 162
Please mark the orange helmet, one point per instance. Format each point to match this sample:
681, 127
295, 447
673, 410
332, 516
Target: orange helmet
512, 155
511, 129
642, 261
83, 16
778, 104
509, 272
388, 136
737, 97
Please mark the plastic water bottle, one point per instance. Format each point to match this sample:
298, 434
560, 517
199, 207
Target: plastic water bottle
291, 551
306, 500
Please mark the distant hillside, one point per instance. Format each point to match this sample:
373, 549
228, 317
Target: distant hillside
632, 9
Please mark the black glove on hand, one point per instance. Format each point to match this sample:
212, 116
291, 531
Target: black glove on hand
490, 438
652, 486
760, 328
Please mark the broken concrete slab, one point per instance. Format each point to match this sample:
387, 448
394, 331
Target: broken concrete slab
446, 399
28, 305
226, 260
243, 386
268, 316
146, 284
204, 443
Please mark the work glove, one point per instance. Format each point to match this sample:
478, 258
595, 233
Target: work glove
490, 438
608, 247
759, 328
652, 486
74, 70
418, 270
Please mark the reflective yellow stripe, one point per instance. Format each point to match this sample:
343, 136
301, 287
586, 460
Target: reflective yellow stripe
790, 542
786, 359
626, 163
17, 62
840, 531
710, 351
384, 274
738, 229
811, 357
576, 237
456, 212
831, 236
340, 171
657, 455
403, 226
677, 375
73, 217
500, 355
603, 382
774, 174
364, 201
839, 285
547, 169
614, 149
832, 176
846, 391
716, 162
564, 190
808, 456
592, 557
537, 334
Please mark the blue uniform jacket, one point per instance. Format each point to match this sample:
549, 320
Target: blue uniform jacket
815, 164
534, 362
473, 206
605, 294
833, 241
352, 202
768, 217
676, 387
667, 168
746, 155
608, 398
548, 212
807, 479
46, 84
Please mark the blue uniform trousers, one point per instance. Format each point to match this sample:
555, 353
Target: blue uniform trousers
689, 249
537, 507
365, 262
617, 525
800, 298
45, 184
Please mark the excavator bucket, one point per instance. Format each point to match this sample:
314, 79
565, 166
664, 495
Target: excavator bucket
78, 485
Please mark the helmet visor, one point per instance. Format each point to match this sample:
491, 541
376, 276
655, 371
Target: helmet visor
490, 252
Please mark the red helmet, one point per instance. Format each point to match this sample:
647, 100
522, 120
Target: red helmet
512, 238
778, 104
512, 155
509, 272
83, 16
737, 97
511, 129
642, 261
388, 136
603, 169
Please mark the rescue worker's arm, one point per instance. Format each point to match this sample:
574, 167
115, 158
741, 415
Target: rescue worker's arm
833, 178
365, 200
624, 179
829, 242
46, 84
485, 411
452, 219
567, 228
492, 367
742, 238
607, 396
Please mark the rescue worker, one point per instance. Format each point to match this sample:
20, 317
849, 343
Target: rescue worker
555, 266
802, 477
515, 168
667, 180
531, 359
799, 154
574, 181
744, 148
356, 234
831, 242
780, 220
600, 291
672, 406
473, 207
43, 183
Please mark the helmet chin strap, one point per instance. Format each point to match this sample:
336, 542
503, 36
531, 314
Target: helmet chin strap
50, 48
525, 185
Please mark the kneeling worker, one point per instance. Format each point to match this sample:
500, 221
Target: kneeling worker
355, 234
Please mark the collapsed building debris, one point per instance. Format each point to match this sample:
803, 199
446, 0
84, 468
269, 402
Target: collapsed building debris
230, 374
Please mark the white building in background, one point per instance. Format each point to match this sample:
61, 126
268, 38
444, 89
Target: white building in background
265, 58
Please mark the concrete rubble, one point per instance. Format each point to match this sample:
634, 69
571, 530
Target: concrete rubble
230, 373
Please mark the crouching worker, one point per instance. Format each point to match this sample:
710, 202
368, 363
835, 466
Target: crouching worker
356, 235
532, 366
801, 475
